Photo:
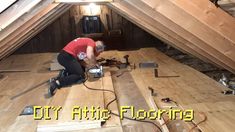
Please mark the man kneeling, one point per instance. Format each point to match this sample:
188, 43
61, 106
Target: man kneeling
72, 58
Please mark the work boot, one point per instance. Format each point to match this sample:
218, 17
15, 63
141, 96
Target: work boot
52, 88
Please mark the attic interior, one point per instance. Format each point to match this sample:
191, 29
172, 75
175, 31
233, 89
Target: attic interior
180, 59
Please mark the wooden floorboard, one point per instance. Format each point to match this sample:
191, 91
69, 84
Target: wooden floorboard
18, 82
191, 90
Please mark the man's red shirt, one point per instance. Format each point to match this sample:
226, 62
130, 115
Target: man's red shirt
78, 47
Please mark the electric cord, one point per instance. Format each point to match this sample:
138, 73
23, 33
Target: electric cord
115, 98
195, 124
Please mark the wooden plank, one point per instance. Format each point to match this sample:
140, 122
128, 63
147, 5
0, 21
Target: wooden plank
196, 91
16, 11
22, 30
130, 93
200, 29
207, 13
18, 82
38, 26
185, 92
18, 23
108, 96
82, 97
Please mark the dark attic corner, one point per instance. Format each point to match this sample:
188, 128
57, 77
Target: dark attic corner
117, 65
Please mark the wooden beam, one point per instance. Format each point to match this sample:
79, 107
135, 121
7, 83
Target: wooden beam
23, 19
31, 28
208, 14
16, 11
36, 28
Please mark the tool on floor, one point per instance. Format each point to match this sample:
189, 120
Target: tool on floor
224, 80
116, 63
152, 91
96, 72
148, 64
126, 64
166, 100
169, 100
100, 59
157, 76
28, 110
111, 62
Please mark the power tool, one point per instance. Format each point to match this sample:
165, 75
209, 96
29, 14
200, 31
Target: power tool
96, 72
126, 64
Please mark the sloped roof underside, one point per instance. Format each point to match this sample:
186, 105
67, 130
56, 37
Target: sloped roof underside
196, 27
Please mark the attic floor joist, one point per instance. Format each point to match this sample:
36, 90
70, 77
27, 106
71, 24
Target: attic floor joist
193, 23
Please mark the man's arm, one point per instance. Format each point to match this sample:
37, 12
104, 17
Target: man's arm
91, 56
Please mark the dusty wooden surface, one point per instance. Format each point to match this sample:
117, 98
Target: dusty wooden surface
191, 90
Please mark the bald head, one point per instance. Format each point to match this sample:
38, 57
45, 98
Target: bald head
99, 46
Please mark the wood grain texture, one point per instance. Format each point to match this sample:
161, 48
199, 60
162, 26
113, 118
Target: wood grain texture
192, 90
200, 37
